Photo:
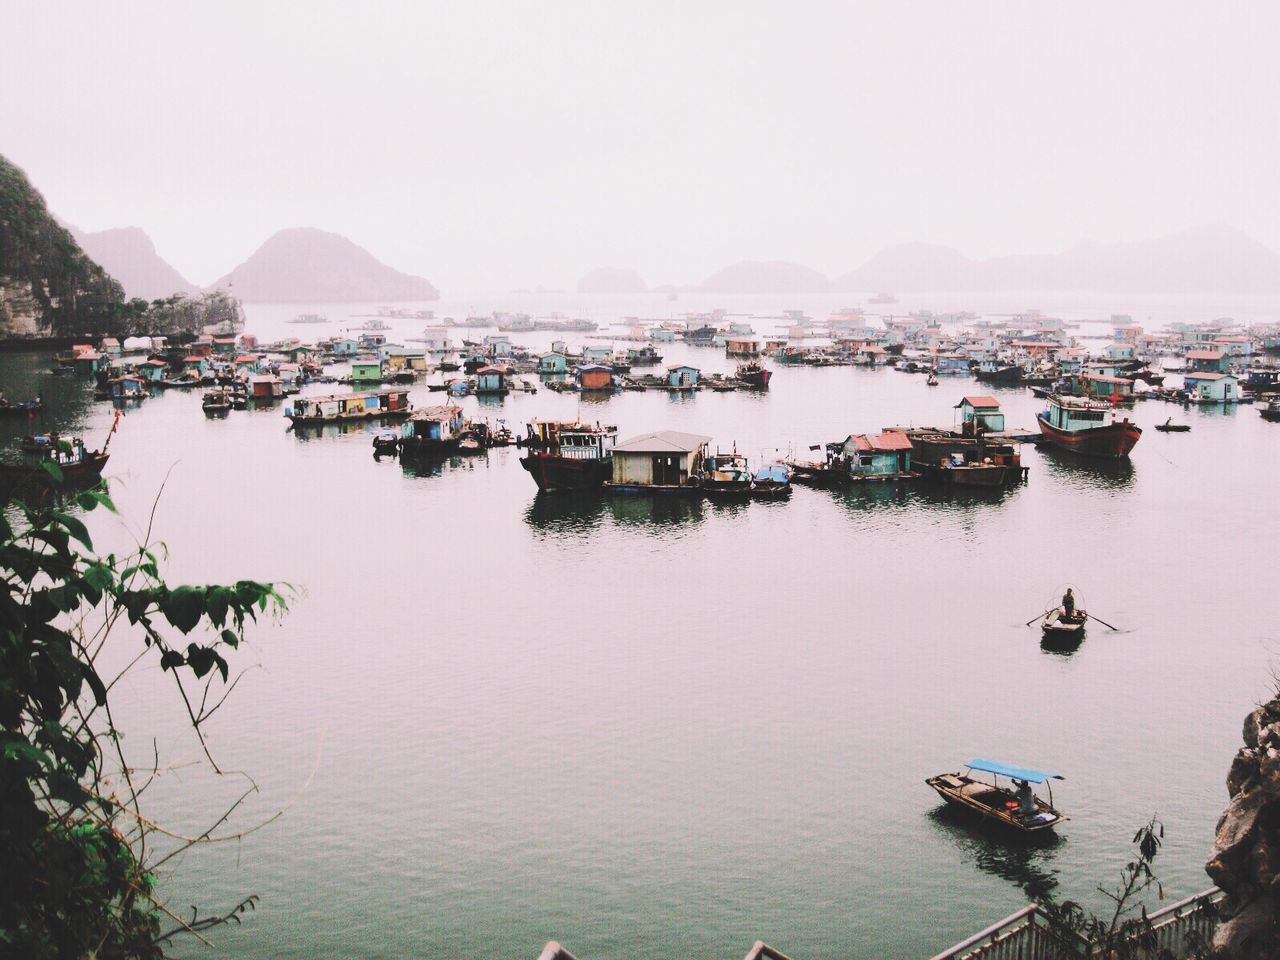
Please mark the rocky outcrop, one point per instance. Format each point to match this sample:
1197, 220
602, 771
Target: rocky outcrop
1246, 852
128, 254
47, 283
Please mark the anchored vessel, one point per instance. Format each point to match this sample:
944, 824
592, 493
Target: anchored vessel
1018, 808
1087, 426
569, 455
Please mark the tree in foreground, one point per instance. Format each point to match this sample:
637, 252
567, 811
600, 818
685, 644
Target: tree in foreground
77, 877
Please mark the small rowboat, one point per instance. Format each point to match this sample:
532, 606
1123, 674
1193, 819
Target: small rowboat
1058, 627
1170, 427
1019, 809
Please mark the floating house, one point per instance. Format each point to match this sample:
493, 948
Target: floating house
951, 364
436, 340
883, 456
366, 370
128, 388
290, 375
553, 362
371, 341
1122, 352
432, 428
195, 365
497, 344
345, 347
1212, 387
110, 346
246, 365
1234, 346
739, 346
265, 386
980, 412
1105, 388
664, 461
349, 406
596, 354
88, 361
593, 376
1207, 361
152, 370
224, 344
491, 380
682, 377
662, 335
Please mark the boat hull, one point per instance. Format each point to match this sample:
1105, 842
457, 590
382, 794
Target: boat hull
552, 473
1113, 440
756, 378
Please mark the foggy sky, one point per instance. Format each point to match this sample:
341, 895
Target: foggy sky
490, 146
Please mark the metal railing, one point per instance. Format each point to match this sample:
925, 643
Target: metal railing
1181, 929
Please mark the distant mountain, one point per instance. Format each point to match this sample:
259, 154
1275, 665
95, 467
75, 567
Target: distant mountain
612, 280
305, 265
128, 254
759, 276
1210, 259
47, 283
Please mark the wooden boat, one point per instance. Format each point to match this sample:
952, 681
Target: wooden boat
1087, 426
386, 444
1170, 427
754, 374
726, 475
932, 381
1060, 627
771, 482
216, 402
22, 408
569, 455
1271, 411
79, 467
1019, 809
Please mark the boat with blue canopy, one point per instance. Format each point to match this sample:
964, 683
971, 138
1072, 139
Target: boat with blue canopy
1017, 806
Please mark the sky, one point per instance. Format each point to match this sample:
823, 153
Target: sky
494, 146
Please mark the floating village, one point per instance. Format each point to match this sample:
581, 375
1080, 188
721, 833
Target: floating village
1087, 388
1087, 392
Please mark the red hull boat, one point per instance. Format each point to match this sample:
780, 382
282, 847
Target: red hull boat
1088, 427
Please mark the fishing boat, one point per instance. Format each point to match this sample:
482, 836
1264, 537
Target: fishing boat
216, 402
432, 431
754, 374
1087, 426
375, 324
568, 455
1061, 627
385, 404
932, 381
77, 465
1271, 411
1018, 808
726, 475
385, 444
771, 482
1170, 427
308, 318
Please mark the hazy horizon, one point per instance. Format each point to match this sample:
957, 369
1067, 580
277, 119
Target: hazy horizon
504, 146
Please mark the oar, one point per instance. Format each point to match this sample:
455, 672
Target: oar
1103, 622
1034, 619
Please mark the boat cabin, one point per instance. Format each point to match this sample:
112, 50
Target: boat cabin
1016, 806
1207, 361
663, 460
739, 346
349, 406
433, 426
128, 388
152, 370
1105, 387
1076, 413
980, 412
264, 386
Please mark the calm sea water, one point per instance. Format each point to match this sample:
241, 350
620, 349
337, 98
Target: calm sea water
653, 728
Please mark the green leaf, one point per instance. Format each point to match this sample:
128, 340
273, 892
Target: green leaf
95, 683
200, 659
52, 469
231, 638
18, 748
171, 659
74, 526
217, 605
183, 607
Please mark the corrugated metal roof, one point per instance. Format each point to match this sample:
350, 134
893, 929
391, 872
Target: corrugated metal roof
663, 441
1207, 376
1205, 355
979, 401
891, 441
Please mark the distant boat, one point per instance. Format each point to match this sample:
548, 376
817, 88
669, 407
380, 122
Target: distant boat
1170, 427
771, 481
308, 318
1022, 810
374, 324
754, 374
882, 297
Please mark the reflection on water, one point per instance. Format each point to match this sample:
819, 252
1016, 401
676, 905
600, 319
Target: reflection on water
565, 513
1081, 470
1025, 861
429, 467
917, 495
659, 510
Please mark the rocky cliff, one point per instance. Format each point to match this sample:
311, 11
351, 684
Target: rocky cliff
1246, 852
304, 265
47, 283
